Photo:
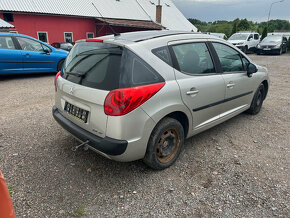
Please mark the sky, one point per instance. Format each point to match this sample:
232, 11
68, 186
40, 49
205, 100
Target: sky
212, 10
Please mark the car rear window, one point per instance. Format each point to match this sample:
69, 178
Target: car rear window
107, 67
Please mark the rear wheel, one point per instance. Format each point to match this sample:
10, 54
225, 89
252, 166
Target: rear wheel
59, 65
165, 144
257, 101
246, 49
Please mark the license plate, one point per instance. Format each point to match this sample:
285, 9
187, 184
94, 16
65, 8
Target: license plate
76, 112
267, 49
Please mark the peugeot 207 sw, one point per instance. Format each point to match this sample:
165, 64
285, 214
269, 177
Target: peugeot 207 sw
139, 95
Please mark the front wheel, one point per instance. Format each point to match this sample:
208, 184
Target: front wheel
165, 144
257, 101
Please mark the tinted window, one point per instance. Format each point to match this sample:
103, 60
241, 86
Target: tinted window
6, 42
230, 59
194, 58
163, 54
134, 71
107, 67
29, 44
256, 36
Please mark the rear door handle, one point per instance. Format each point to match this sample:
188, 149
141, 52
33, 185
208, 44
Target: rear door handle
230, 85
193, 92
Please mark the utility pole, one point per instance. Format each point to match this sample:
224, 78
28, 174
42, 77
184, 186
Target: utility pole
270, 12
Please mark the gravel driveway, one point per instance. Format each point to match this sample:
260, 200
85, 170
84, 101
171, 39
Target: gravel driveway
237, 169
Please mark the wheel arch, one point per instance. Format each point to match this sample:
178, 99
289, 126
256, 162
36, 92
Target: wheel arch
181, 117
266, 86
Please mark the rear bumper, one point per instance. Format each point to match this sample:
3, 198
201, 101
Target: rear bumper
108, 146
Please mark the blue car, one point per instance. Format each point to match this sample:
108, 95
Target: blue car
24, 54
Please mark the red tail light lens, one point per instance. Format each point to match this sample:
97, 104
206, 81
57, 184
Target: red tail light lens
122, 101
56, 77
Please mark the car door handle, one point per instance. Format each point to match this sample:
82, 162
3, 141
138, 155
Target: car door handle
230, 85
193, 92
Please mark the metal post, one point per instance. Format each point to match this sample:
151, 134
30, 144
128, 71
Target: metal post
270, 12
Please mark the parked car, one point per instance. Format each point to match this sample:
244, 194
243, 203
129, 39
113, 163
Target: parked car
140, 95
219, 35
62, 45
273, 44
24, 54
246, 41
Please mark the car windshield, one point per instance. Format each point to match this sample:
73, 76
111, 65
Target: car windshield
239, 37
274, 39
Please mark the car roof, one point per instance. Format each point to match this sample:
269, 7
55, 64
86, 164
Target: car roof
141, 36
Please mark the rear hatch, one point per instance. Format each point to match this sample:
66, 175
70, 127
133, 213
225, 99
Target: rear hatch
89, 73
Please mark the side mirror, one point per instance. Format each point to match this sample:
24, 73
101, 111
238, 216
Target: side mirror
45, 50
251, 69
250, 39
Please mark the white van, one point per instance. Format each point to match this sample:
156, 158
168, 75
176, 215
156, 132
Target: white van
245, 40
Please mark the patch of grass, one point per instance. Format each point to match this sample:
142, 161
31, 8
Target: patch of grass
80, 211
11, 190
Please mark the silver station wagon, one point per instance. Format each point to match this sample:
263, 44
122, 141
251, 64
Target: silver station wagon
140, 95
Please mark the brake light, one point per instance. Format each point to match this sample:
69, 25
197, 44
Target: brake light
94, 40
122, 101
55, 80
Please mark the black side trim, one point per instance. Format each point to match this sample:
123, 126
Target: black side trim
27, 62
222, 101
106, 145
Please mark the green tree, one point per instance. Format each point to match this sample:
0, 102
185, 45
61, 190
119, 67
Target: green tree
244, 25
265, 32
235, 28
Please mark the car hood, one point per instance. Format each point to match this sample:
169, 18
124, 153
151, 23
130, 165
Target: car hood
236, 41
261, 68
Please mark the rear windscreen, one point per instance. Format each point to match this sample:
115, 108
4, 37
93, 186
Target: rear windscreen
107, 67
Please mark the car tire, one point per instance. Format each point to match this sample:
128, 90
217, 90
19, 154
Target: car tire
280, 52
246, 50
257, 101
59, 65
165, 144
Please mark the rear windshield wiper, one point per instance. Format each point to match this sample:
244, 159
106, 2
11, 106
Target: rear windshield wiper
75, 74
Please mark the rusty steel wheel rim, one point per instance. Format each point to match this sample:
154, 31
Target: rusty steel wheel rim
168, 145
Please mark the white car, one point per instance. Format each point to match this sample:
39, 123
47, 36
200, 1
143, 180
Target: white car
245, 41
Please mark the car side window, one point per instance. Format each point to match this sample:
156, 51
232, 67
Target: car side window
245, 62
163, 54
230, 59
29, 44
6, 42
250, 37
194, 58
256, 36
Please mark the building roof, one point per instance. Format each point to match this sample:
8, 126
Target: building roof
132, 23
142, 10
5, 25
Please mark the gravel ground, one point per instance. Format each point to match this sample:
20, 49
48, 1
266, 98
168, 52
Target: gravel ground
237, 169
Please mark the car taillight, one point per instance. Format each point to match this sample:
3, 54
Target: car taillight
122, 101
56, 77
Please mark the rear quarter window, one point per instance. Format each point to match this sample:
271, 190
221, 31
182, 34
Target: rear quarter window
163, 54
